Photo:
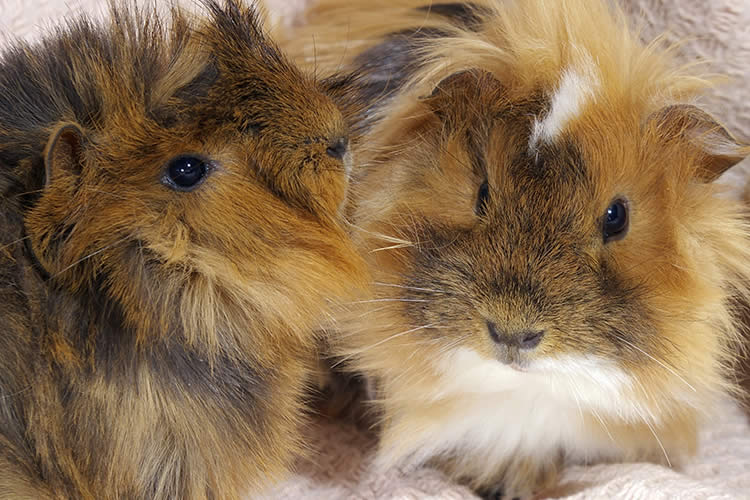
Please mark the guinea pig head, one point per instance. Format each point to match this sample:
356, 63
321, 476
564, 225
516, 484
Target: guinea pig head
204, 196
570, 234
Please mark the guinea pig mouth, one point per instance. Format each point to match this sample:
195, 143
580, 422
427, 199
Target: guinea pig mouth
512, 357
519, 367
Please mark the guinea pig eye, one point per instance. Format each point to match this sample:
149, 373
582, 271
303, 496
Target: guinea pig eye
185, 173
616, 221
483, 197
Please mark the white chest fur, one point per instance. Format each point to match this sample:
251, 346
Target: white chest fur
493, 412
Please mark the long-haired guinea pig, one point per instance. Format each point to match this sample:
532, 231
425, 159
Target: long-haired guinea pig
553, 265
171, 237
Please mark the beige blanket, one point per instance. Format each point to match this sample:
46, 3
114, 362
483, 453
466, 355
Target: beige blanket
717, 30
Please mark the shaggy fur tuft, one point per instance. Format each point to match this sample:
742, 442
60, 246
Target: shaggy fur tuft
492, 139
156, 343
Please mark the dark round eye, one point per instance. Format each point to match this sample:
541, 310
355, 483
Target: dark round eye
185, 173
483, 198
616, 220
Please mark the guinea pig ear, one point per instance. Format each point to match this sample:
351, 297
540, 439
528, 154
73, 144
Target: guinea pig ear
462, 85
63, 155
721, 149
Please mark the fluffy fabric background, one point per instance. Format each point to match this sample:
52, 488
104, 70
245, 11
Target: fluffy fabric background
714, 30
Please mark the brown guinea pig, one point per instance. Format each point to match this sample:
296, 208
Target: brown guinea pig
171, 237
553, 265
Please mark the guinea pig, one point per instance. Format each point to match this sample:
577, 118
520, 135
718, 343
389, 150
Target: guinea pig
553, 266
172, 236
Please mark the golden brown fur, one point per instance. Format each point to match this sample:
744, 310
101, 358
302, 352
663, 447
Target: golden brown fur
557, 111
156, 343
743, 364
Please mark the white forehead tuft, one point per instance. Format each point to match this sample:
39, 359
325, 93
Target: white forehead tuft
577, 87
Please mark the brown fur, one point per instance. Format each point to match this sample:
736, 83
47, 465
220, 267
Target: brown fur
156, 343
743, 365
444, 97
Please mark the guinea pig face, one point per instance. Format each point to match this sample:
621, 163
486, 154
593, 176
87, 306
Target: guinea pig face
557, 243
230, 175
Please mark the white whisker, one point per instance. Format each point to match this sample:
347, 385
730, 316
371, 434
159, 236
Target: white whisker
391, 239
419, 289
92, 254
391, 247
648, 396
663, 365
388, 300
376, 344
576, 396
653, 431
601, 421
400, 334
370, 311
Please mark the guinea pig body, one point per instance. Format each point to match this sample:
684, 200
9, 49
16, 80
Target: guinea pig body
170, 239
553, 267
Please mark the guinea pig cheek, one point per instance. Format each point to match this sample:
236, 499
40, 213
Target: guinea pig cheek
170, 239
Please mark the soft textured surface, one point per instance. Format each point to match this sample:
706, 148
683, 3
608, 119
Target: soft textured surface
717, 31
342, 470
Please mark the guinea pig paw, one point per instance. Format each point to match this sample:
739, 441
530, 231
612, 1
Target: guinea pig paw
496, 493
523, 480
499, 493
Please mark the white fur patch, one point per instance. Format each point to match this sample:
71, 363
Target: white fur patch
576, 88
504, 412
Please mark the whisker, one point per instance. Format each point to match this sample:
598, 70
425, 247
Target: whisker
347, 41
13, 394
19, 240
392, 247
601, 421
661, 363
419, 289
391, 239
315, 58
92, 254
454, 157
576, 396
653, 431
24, 193
643, 389
388, 300
454, 343
381, 342
400, 334
371, 311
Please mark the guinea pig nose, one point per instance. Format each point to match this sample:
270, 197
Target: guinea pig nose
524, 339
531, 338
492, 328
337, 149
